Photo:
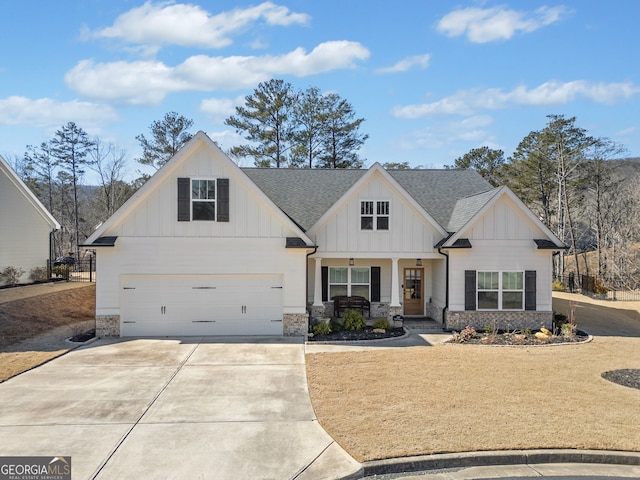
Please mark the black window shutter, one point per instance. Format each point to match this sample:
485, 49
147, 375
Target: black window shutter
325, 284
375, 284
530, 290
223, 199
184, 199
469, 289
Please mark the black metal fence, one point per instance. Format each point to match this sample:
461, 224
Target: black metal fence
80, 271
595, 287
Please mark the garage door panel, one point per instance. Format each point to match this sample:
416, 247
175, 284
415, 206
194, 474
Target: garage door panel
201, 305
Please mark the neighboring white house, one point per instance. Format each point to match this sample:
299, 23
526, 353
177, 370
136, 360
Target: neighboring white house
25, 226
208, 248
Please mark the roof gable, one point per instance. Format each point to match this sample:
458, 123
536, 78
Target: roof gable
29, 196
151, 205
376, 169
482, 204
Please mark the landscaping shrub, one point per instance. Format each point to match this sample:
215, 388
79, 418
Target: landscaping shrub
465, 335
38, 274
557, 286
12, 274
61, 271
382, 323
353, 320
321, 328
335, 324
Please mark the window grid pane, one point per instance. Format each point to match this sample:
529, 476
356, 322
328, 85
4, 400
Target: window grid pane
366, 208
383, 208
338, 275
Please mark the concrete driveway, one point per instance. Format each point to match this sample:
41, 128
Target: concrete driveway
197, 408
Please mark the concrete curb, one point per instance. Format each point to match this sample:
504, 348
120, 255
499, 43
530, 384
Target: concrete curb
493, 458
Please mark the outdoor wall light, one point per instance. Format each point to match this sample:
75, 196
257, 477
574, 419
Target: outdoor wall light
351, 262
418, 262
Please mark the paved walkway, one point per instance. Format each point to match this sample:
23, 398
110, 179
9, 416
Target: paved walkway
193, 407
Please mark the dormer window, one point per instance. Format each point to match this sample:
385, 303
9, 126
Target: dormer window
374, 215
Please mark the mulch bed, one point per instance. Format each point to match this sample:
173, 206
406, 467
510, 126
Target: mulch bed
626, 377
516, 338
83, 337
354, 336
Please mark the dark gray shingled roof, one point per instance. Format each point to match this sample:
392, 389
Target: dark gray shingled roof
305, 195
467, 207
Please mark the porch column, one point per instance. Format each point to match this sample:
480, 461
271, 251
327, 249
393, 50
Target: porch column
317, 285
395, 284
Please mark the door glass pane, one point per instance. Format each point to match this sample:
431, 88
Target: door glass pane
413, 284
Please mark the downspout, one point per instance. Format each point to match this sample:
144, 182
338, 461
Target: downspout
306, 290
446, 295
50, 265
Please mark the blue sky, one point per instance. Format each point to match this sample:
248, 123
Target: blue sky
432, 79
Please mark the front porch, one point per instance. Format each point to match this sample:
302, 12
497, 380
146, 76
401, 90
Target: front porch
407, 287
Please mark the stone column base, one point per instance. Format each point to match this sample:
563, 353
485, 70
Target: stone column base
502, 320
295, 324
107, 326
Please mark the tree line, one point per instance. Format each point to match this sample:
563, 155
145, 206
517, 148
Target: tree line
568, 178
578, 186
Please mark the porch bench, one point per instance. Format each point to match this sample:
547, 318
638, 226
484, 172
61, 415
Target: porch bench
341, 303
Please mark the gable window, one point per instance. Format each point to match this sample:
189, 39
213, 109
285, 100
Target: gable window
203, 199
374, 215
349, 281
500, 290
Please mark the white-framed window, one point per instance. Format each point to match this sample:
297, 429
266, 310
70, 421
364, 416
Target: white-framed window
349, 281
203, 199
500, 290
374, 215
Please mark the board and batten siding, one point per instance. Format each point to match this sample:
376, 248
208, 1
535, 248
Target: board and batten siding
503, 221
24, 232
200, 256
156, 216
409, 232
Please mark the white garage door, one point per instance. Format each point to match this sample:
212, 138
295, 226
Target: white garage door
178, 305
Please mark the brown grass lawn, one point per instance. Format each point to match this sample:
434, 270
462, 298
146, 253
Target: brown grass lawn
455, 398
30, 329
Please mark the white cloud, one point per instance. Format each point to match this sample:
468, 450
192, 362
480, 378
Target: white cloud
45, 112
483, 25
406, 64
467, 102
470, 129
190, 25
148, 82
220, 109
